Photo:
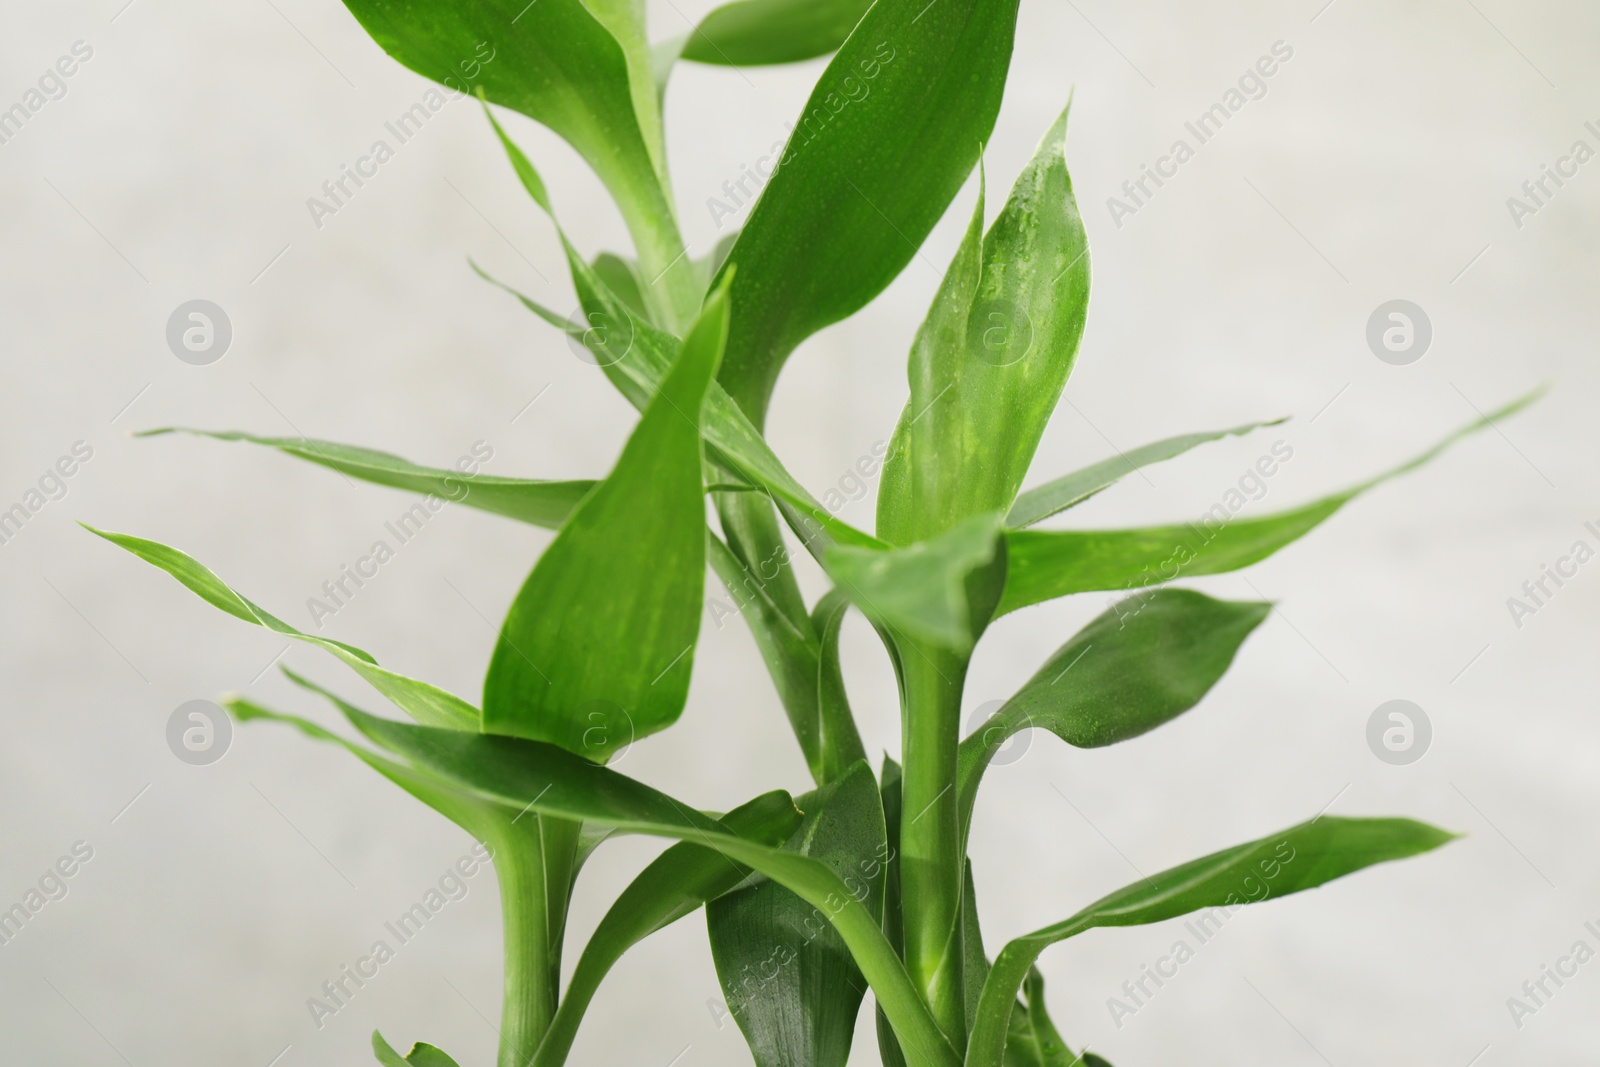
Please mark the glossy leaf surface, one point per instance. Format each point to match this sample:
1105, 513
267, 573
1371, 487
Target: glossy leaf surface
749, 33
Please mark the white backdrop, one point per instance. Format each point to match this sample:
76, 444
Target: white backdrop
1377, 166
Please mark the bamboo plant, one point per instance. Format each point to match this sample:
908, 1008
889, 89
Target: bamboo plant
861, 879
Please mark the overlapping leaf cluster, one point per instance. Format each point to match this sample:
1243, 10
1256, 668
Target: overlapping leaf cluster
812, 899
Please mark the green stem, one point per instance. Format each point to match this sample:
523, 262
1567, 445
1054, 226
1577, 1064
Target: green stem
535, 865
932, 870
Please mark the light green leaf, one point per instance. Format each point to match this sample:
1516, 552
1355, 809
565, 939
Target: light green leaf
749, 33
939, 591
1070, 490
540, 503
887, 139
786, 975
676, 884
549, 780
1299, 858
558, 63
597, 648
1044, 565
990, 361
1141, 663
422, 1055
425, 703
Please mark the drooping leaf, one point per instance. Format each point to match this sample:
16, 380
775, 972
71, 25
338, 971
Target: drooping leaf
1299, 858
749, 33
425, 703
541, 503
888, 137
676, 884
1070, 490
990, 361
786, 974
1141, 663
1044, 565
543, 778
939, 591
597, 647
421, 1055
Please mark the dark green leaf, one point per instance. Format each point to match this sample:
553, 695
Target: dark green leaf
1299, 858
677, 883
990, 361
1143, 662
750, 33
786, 974
1070, 490
549, 780
423, 702
888, 1045
540, 503
888, 137
597, 648
1044, 565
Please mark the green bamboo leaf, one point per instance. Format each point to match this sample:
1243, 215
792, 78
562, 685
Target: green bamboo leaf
425, 703
751, 33
940, 591
582, 69
597, 648
677, 883
990, 361
1299, 858
421, 1055
1070, 490
1141, 663
887, 139
635, 356
786, 974
544, 778
1044, 565
541, 503
893, 920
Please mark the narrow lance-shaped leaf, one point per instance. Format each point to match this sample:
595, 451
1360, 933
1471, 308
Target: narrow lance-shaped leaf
677, 883
541, 503
425, 703
886, 140
597, 647
1070, 490
543, 778
1056, 563
1141, 663
990, 361
786, 974
421, 1055
750, 33
1299, 858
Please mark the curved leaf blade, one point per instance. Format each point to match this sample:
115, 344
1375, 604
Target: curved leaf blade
886, 140
597, 648
425, 703
1299, 858
752, 33
1045, 565
1141, 663
539, 503
1070, 490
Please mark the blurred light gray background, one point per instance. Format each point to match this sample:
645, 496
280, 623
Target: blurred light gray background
1377, 166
